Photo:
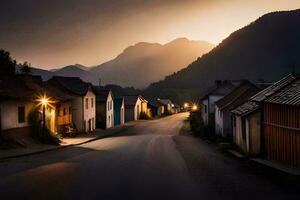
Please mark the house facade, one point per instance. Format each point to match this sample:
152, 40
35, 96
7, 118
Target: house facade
134, 106
281, 125
247, 128
119, 111
82, 105
167, 103
104, 108
211, 97
223, 117
156, 108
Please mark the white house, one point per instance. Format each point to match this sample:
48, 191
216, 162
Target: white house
104, 108
168, 105
134, 106
223, 117
218, 91
83, 102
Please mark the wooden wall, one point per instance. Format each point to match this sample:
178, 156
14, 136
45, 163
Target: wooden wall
282, 133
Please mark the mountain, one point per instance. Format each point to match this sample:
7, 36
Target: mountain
144, 63
68, 71
266, 49
76, 65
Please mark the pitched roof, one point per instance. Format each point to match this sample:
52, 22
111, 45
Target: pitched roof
272, 89
165, 101
289, 95
73, 85
130, 100
246, 108
101, 93
220, 89
154, 103
238, 95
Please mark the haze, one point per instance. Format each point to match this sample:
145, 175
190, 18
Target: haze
54, 33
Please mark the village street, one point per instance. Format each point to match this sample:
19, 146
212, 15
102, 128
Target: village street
154, 159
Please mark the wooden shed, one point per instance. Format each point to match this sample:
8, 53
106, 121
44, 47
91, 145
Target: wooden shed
282, 125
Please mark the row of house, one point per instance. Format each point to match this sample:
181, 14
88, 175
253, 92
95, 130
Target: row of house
262, 120
71, 105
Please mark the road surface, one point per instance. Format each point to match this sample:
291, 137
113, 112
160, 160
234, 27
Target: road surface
152, 160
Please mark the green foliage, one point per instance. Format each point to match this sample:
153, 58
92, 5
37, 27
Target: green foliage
44, 136
7, 64
25, 68
144, 115
198, 127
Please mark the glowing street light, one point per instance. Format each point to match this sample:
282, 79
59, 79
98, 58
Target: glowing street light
195, 107
185, 105
44, 101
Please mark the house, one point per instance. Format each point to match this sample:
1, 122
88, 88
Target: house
104, 108
218, 91
247, 127
134, 106
119, 111
20, 96
281, 125
247, 118
82, 104
167, 105
156, 107
223, 118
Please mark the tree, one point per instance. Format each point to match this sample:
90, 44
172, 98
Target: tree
7, 64
25, 68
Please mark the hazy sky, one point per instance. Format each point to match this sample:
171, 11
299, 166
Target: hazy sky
54, 33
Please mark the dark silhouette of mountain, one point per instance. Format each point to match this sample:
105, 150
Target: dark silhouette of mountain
76, 65
69, 71
267, 49
144, 63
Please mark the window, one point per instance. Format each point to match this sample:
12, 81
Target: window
108, 105
111, 105
21, 114
86, 103
92, 102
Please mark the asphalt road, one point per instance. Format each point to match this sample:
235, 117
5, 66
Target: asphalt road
152, 160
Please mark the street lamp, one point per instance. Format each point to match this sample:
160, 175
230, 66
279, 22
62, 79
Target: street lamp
195, 107
44, 101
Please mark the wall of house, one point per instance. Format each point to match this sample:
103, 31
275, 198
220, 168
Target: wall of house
122, 113
282, 133
77, 110
218, 121
109, 111
160, 110
254, 133
9, 114
138, 109
89, 115
130, 113
204, 111
247, 138
212, 102
238, 137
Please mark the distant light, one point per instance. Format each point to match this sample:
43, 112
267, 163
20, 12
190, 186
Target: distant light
195, 107
44, 101
173, 105
185, 105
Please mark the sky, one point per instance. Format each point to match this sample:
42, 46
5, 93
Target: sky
55, 33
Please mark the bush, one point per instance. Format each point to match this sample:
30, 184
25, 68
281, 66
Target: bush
144, 115
198, 127
44, 136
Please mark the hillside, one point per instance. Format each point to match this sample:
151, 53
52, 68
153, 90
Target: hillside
265, 50
68, 71
144, 63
